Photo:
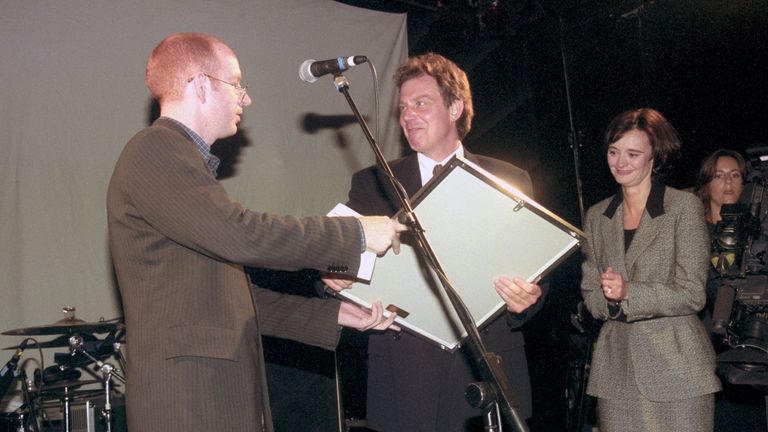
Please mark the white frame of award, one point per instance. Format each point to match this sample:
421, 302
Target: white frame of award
479, 227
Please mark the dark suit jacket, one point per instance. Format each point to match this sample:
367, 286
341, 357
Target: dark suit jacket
414, 385
301, 378
193, 328
662, 348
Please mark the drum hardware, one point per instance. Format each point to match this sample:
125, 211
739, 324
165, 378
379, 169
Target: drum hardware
81, 354
54, 374
65, 392
58, 342
67, 326
9, 372
14, 421
85, 412
66, 401
60, 381
107, 371
29, 403
64, 387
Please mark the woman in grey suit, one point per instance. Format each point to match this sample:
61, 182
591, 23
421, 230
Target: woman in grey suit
645, 271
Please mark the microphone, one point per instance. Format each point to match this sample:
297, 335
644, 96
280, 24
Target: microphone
7, 372
311, 69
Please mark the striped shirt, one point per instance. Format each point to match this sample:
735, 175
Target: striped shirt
205, 151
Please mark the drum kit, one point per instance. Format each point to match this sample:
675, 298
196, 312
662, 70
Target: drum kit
60, 385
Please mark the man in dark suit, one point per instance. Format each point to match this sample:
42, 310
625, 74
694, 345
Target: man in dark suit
413, 385
179, 244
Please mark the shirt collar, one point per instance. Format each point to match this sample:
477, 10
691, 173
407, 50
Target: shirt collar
427, 165
654, 205
210, 160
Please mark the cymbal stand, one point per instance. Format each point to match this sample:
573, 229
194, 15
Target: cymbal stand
118, 347
107, 372
76, 345
67, 410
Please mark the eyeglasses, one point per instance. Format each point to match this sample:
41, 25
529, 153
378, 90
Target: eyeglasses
242, 89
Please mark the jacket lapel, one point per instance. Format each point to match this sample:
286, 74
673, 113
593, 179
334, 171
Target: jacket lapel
409, 175
612, 240
406, 171
613, 244
646, 233
650, 225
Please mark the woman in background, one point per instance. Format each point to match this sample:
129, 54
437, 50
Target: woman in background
645, 271
720, 181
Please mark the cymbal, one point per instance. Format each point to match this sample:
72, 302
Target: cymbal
65, 386
71, 395
59, 342
65, 326
79, 397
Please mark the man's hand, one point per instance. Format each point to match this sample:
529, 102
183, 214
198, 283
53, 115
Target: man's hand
337, 284
353, 316
381, 233
518, 294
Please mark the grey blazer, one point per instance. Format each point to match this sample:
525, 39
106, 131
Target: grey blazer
662, 347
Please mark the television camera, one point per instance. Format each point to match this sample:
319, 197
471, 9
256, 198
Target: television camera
739, 259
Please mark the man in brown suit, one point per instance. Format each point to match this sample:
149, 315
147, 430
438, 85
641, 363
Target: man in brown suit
179, 244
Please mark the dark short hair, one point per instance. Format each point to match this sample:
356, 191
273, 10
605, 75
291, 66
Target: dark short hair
451, 80
708, 170
662, 136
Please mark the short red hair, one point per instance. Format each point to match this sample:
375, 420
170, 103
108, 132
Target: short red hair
177, 58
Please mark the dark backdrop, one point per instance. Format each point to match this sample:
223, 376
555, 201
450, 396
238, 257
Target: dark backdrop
702, 63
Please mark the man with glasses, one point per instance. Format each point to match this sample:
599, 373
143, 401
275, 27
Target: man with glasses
179, 244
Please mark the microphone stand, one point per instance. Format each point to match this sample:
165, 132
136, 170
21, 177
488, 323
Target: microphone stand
487, 363
574, 136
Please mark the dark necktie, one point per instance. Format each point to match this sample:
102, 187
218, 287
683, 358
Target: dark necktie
436, 169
